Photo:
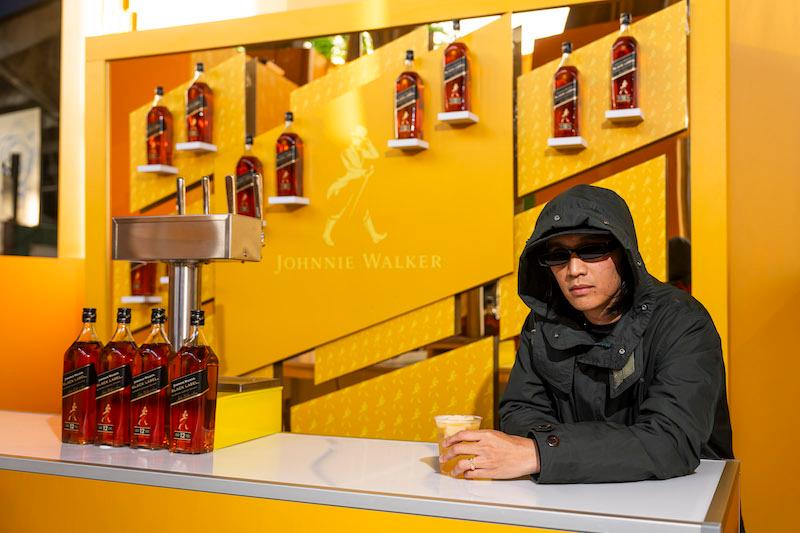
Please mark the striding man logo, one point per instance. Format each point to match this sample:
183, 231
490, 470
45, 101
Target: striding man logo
348, 191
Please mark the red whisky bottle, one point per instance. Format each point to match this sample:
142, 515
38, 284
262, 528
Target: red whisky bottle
159, 132
193, 392
143, 278
199, 108
246, 168
289, 160
456, 76
114, 385
408, 106
624, 68
79, 383
565, 96
149, 387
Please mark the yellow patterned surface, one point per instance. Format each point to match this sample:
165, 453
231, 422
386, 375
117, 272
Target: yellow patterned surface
363, 70
506, 354
227, 80
385, 232
401, 404
663, 86
272, 98
383, 341
644, 189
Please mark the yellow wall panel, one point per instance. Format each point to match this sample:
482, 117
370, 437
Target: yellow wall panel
506, 354
662, 95
402, 231
644, 189
385, 340
402, 404
272, 98
227, 80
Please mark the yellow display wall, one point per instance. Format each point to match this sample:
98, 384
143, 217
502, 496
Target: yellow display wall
401, 404
386, 231
643, 188
662, 95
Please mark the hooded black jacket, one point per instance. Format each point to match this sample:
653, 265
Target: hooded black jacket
647, 400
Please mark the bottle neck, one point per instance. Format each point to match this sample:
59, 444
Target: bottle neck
564, 59
156, 100
88, 333
409, 64
122, 334
623, 28
157, 335
196, 337
197, 76
287, 125
248, 148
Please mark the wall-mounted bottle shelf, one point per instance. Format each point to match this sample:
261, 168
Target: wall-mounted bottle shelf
196, 146
625, 116
567, 144
154, 299
459, 118
408, 145
162, 170
288, 200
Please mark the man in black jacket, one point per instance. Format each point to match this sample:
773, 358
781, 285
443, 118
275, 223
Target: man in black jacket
618, 377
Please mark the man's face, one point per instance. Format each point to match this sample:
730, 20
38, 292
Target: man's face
590, 286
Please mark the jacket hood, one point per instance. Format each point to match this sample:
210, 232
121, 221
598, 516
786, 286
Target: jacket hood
585, 207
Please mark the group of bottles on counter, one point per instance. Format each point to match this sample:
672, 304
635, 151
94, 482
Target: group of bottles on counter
408, 103
145, 397
624, 82
199, 120
288, 168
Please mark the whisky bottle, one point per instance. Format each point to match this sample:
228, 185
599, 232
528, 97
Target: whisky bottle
408, 107
565, 96
456, 76
193, 392
159, 132
114, 385
143, 278
149, 387
247, 166
624, 68
79, 383
199, 108
289, 160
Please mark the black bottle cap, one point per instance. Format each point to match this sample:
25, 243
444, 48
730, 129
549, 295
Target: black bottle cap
289, 116
89, 314
160, 90
158, 315
409, 55
123, 315
566, 47
199, 67
456, 25
197, 317
248, 139
625, 18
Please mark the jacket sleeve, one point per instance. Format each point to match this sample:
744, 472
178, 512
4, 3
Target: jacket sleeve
525, 402
676, 416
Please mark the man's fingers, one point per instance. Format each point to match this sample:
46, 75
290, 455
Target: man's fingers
466, 435
464, 465
460, 448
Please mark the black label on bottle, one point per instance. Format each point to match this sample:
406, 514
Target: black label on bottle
406, 97
188, 387
286, 158
113, 381
565, 93
623, 65
156, 128
78, 380
141, 431
147, 383
197, 105
72, 426
182, 435
454, 69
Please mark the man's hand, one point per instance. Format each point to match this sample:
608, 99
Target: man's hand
497, 455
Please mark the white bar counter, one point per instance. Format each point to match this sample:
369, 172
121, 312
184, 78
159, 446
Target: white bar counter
380, 475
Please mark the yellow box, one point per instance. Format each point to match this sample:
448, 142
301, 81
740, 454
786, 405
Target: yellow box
243, 416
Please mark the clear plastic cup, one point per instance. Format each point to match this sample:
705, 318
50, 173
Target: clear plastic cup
447, 425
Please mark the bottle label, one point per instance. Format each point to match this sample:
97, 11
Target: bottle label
148, 383
182, 435
72, 426
286, 158
406, 98
197, 105
244, 181
565, 93
455, 69
78, 380
141, 431
189, 386
623, 65
157, 128
113, 381
105, 428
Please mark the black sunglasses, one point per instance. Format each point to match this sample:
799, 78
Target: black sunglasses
595, 251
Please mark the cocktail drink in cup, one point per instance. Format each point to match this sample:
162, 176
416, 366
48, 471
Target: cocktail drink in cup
448, 425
